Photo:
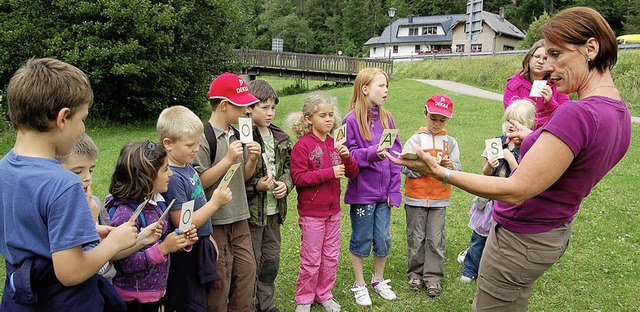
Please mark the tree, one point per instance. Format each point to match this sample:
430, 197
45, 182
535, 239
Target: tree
631, 24
140, 55
532, 35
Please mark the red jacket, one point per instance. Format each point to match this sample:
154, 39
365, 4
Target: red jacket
312, 162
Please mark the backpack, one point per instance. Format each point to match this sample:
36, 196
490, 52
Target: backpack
210, 135
141, 217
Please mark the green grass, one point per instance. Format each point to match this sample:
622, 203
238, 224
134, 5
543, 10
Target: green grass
491, 73
599, 272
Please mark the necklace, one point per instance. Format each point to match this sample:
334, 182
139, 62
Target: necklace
598, 87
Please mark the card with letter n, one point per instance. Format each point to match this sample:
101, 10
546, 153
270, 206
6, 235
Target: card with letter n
494, 147
246, 131
229, 175
340, 136
388, 137
186, 216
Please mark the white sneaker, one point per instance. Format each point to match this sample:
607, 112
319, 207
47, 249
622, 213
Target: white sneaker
384, 289
331, 305
465, 279
461, 255
303, 308
361, 293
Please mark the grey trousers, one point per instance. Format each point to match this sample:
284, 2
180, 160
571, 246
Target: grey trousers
426, 242
266, 247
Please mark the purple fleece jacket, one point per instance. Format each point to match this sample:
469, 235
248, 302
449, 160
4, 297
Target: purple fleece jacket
378, 178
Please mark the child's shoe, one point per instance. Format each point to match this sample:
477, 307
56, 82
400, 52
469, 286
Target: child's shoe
303, 308
466, 279
383, 288
361, 293
434, 290
331, 305
461, 255
415, 284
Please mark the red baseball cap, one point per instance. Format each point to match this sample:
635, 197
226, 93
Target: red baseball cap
232, 88
440, 104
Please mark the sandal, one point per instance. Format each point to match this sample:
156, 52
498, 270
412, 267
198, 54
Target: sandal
434, 290
415, 284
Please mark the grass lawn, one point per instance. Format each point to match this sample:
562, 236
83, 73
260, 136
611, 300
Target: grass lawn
599, 272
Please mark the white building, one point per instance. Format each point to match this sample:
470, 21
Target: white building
418, 35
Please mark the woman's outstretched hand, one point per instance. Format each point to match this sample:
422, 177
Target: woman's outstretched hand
425, 164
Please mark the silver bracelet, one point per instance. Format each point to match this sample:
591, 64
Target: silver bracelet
447, 175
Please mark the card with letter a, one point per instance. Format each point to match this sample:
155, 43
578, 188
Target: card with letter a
186, 216
246, 131
388, 137
536, 88
494, 147
229, 175
340, 136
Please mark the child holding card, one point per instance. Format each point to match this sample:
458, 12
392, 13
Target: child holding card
530, 82
370, 131
192, 273
522, 111
316, 169
267, 192
142, 172
426, 199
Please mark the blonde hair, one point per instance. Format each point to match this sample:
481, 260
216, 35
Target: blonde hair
83, 147
297, 122
177, 122
361, 107
524, 111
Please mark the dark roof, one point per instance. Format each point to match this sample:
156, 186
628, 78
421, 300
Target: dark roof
448, 22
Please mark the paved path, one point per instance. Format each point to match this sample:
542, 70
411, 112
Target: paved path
473, 91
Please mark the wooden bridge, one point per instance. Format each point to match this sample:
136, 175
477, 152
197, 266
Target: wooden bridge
306, 66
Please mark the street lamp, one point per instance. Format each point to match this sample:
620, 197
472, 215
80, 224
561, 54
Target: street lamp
392, 13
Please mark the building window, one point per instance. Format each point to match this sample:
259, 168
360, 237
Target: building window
395, 49
459, 47
476, 48
417, 48
374, 50
413, 31
430, 30
508, 48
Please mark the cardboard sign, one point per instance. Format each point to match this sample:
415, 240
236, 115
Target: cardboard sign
536, 88
407, 155
340, 136
245, 129
186, 216
388, 137
138, 210
164, 214
265, 159
229, 175
494, 147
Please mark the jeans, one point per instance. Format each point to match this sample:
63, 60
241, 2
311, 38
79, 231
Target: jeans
370, 225
472, 259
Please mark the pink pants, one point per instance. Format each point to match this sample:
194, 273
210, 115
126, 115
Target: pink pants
319, 255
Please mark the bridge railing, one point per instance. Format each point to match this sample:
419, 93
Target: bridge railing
310, 62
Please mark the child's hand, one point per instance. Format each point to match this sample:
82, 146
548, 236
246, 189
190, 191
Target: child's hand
103, 230
338, 171
151, 233
546, 93
380, 151
173, 242
255, 150
221, 196
192, 235
343, 151
493, 160
446, 162
215, 245
281, 190
508, 156
235, 150
93, 206
264, 184
124, 236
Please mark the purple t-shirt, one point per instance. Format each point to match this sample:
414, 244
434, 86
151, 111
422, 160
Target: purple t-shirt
598, 131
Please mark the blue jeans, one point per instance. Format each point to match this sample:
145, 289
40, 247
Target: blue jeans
472, 259
370, 225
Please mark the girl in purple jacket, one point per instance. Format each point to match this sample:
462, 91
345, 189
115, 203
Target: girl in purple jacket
519, 85
141, 174
377, 186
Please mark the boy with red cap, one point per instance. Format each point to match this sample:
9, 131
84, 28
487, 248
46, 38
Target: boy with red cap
426, 198
220, 148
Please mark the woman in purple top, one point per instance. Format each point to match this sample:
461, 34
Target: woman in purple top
519, 85
579, 144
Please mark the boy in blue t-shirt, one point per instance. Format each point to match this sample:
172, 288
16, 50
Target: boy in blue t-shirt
191, 274
45, 219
